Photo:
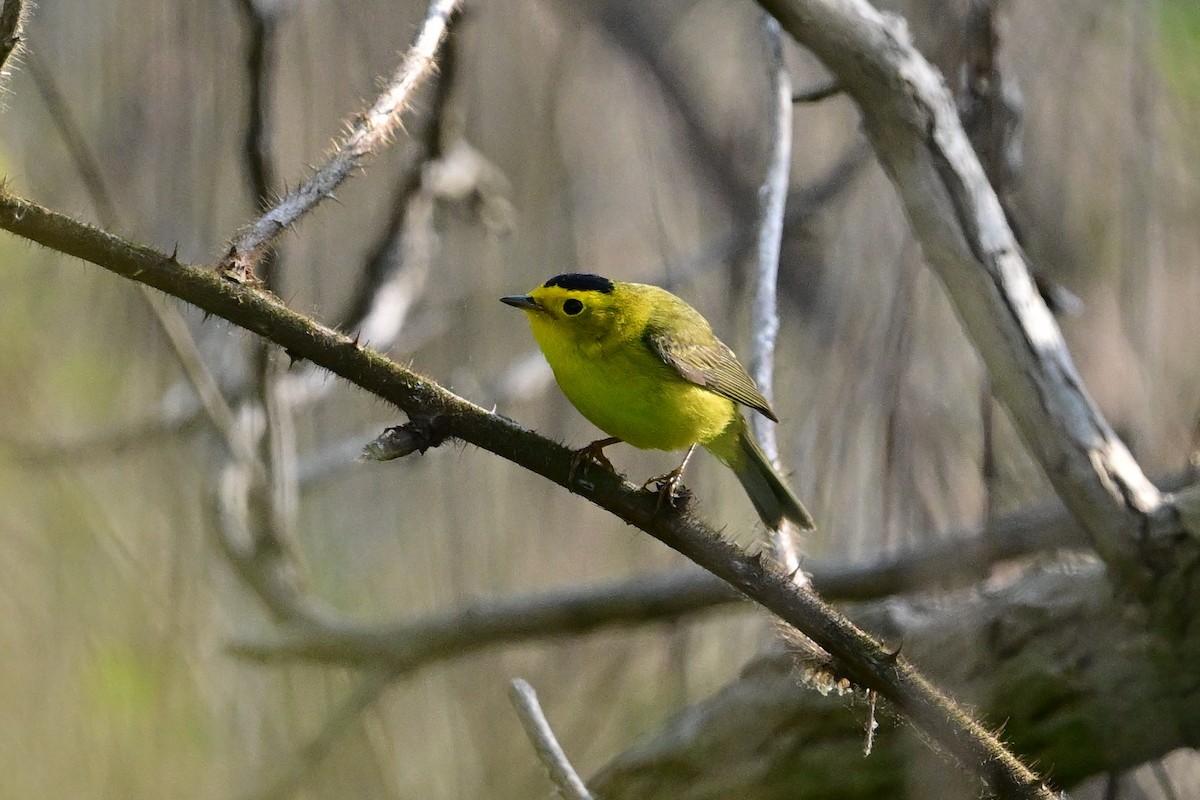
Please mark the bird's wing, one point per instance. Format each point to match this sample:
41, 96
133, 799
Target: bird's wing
710, 364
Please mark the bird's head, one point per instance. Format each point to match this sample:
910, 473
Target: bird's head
583, 309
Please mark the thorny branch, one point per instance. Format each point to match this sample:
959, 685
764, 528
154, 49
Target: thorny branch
368, 133
865, 661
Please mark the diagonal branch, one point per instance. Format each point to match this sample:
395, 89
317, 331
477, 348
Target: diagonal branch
865, 661
369, 131
913, 124
566, 780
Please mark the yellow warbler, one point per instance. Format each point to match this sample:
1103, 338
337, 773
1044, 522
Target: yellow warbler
646, 368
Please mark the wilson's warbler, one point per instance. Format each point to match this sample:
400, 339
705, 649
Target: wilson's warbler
647, 369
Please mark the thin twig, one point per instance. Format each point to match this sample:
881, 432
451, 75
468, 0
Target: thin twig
62, 117
258, 505
537, 728
772, 197
369, 131
259, 163
872, 723
12, 20
380, 276
764, 281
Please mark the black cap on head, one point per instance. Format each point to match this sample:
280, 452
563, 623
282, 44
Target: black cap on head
581, 282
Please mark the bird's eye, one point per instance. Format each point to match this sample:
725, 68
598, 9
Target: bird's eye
572, 307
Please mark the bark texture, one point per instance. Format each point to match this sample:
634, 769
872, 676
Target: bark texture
1081, 680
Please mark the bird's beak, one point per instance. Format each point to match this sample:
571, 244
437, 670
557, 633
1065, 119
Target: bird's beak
522, 301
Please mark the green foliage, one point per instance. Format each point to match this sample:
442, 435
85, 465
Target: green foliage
1179, 50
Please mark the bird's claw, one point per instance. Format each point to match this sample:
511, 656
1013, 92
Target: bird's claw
594, 452
669, 488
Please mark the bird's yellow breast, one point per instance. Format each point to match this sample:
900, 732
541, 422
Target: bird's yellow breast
627, 391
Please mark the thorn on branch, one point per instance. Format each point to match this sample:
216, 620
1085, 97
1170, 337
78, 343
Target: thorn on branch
417, 435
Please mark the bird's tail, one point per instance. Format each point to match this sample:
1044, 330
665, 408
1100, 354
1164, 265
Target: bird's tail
772, 498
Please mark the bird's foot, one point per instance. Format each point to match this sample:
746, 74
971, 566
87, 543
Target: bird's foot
670, 489
594, 452
668, 486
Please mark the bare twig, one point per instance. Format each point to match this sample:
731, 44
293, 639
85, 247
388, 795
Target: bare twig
105, 443
12, 20
261, 20
384, 266
381, 271
256, 555
369, 131
764, 280
537, 728
258, 489
62, 117
648, 599
262, 23
772, 197
872, 724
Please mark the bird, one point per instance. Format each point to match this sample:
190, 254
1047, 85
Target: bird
646, 368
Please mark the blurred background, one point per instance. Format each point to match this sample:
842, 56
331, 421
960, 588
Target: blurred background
620, 138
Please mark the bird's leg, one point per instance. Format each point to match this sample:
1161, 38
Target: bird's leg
667, 484
593, 452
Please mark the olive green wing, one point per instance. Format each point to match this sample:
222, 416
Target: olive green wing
706, 361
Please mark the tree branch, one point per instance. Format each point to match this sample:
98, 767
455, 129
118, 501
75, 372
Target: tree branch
764, 281
12, 20
913, 123
368, 132
865, 661
656, 598
1064, 665
550, 752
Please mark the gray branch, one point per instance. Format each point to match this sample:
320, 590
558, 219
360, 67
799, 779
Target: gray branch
369, 131
1056, 659
537, 728
913, 124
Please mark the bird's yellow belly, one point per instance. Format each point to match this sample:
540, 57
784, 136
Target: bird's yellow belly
640, 400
